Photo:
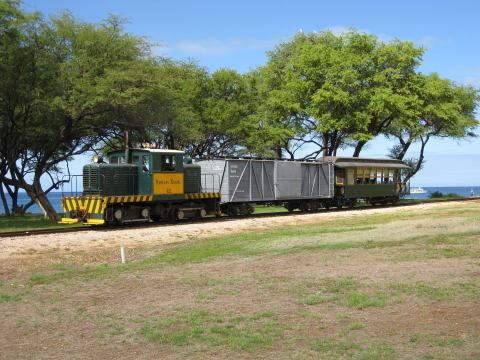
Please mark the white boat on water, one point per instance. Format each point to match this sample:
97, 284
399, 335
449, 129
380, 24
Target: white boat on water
417, 190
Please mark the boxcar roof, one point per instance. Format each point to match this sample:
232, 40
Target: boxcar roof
348, 162
158, 151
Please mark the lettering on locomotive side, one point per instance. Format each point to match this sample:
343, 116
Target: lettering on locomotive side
167, 183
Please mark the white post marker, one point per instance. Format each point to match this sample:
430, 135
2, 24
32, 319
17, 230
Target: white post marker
122, 253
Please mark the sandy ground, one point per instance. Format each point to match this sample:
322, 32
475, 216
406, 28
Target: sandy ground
165, 234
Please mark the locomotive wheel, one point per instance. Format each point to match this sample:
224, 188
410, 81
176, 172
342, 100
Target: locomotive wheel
180, 214
172, 214
156, 218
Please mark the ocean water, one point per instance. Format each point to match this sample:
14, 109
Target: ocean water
55, 197
459, 190
23, 198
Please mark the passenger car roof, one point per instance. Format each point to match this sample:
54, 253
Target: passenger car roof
355, 162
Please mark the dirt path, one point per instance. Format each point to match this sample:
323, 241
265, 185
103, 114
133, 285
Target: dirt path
18, 247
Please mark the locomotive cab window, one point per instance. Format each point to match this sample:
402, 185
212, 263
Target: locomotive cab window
146, 163
117, 160
167, 163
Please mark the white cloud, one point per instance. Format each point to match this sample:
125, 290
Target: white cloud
216, 47
427, 41
222, 47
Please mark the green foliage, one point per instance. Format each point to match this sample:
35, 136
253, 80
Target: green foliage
439, 195
336, 88
436, 194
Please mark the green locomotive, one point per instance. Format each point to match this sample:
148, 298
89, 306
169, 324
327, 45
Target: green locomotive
149, 184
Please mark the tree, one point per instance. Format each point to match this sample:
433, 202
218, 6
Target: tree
205, 114
443, 109
171, 120
64, 86
224, 111
332, 89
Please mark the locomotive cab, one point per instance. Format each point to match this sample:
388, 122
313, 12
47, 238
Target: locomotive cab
157, 171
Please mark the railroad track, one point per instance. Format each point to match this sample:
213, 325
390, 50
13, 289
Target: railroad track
11, 234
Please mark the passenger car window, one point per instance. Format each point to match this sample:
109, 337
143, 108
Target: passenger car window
359, 178
350, 176
366, 176
339, 178
390, 176
379, 176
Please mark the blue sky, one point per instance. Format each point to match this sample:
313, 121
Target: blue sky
237, 35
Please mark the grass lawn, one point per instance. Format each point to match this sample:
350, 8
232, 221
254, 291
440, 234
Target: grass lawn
399, 285
28, 222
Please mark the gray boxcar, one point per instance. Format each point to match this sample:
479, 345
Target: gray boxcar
248, 180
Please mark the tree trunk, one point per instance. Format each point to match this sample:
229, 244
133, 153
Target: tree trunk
36, 194
278, 151
405, 147
421, 157
325, 145
358, 148
171, 142
14, 197
4, 201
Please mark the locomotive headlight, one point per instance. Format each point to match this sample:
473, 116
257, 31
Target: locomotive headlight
97, 159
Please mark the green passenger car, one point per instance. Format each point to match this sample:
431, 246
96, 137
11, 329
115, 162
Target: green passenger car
376, 181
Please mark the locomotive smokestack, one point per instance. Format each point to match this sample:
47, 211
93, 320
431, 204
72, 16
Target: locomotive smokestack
127, 150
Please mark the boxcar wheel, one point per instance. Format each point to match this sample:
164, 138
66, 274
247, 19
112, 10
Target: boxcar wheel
290, 207
233, 211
